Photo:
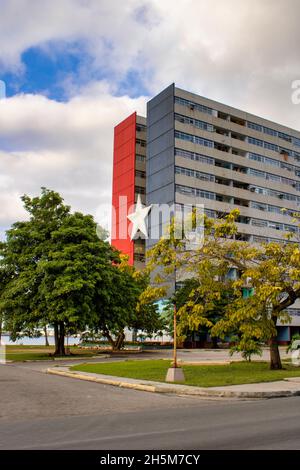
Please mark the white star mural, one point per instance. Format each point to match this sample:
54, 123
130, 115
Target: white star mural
138, 219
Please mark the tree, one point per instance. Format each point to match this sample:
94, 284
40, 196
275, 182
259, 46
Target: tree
52, 263
26, 245
124, 299
199, 305
74, 266
55, 270
271, 270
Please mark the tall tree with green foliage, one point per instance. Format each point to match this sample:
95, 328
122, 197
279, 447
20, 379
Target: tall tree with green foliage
124, 299
52, 262
201, 306
56, 269
74, 268
271, 270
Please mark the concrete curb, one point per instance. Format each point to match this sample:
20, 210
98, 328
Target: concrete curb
158, 387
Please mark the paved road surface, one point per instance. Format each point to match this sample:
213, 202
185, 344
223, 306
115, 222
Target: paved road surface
40, 411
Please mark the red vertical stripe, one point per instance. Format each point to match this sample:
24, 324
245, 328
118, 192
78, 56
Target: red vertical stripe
123, 182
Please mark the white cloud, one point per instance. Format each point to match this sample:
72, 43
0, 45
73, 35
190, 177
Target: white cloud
241, 53
63, 146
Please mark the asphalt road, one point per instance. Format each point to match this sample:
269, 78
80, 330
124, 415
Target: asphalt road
40, 411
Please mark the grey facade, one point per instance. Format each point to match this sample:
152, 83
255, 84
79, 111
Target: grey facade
200, 151
160, 183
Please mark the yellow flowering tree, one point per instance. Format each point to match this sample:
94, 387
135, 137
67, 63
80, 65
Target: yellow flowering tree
271, 271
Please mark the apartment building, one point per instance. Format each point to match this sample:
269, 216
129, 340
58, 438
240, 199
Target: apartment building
200, 151
129, 181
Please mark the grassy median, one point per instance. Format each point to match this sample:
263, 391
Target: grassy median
202, 376
19, 353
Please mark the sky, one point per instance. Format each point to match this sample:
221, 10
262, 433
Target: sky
73, 69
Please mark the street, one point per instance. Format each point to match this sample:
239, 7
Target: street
40, 411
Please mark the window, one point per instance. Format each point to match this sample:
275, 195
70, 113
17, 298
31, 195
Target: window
141, 142
288, 181
257, 173
275, 225
257, 190
140, 174
141, 127
140, 190
204, 142
285, 151
296, 141
268, 145
199, 107
205, 194
273, 177
293, 311
284, 136
210, 213
275, 209
139, 257
194, 156
183, 136
290, 228
269, 131
140, 158
194, 192
193, 138
253, 125
184, 189
258, 205
256, 157
271, 161
194, 122
296, 156
259, 239
259, 223
288, 167
253, 141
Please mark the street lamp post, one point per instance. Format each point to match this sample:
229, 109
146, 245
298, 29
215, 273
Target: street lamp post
175, 338
175, 373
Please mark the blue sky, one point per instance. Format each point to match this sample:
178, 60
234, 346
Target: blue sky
75, 68
48, 71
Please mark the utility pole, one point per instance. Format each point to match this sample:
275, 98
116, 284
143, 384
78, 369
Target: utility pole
175, 338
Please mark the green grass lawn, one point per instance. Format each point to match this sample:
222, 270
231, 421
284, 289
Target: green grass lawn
19, 353
202, 376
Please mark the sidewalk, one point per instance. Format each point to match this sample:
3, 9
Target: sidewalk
281, 388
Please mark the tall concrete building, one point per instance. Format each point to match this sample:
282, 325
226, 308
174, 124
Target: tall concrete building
200, 151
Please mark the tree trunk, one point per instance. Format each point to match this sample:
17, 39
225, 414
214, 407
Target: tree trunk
59, 334
106, 334
120, 341
275, 361
46, 336
215, 342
